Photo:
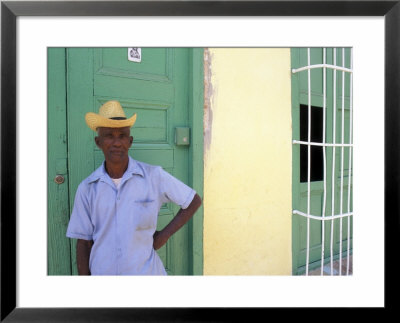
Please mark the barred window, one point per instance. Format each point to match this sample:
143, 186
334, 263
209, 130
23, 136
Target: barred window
322, 160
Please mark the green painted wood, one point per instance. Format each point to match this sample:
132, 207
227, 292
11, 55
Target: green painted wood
157, 89
80, 137
179, 257
196, 166
299, 224
59, 255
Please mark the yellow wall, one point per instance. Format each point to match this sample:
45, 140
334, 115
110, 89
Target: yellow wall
248, 162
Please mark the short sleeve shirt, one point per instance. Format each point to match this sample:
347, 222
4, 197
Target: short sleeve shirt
121, 221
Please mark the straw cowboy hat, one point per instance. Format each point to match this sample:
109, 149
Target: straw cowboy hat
110, 115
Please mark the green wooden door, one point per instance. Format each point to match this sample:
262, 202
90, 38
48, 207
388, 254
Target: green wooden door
338, 202
59, 249
160, 90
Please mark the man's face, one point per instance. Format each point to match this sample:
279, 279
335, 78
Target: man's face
114, 142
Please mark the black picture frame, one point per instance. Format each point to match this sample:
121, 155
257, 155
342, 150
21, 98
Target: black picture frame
10, 10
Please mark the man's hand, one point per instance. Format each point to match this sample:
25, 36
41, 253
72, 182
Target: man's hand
160, 238
83, 248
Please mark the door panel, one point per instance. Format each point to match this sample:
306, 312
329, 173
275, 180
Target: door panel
156, 64
157, 90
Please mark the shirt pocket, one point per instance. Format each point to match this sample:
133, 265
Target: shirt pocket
145, 214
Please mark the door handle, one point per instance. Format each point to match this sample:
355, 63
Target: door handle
59, 179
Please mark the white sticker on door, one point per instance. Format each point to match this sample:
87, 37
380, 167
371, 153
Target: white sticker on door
135, 54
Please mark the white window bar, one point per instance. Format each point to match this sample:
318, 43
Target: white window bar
325, 218
333, 156
350, 153
309, 67
341, 172
321, 144
308, 160
324, 157
324, 144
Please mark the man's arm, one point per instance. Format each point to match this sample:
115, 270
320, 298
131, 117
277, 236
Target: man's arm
183, 216
83, 248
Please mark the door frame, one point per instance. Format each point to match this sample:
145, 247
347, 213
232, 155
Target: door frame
196, 164
196, 111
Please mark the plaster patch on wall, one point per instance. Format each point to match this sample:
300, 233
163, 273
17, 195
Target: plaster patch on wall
208, 94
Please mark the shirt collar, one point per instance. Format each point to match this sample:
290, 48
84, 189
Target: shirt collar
133, 169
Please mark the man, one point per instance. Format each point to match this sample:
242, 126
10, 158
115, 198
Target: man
115, 211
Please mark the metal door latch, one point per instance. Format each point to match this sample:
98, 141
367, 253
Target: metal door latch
182, 136
59, 179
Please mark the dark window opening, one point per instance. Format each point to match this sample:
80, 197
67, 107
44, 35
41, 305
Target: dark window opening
316, 158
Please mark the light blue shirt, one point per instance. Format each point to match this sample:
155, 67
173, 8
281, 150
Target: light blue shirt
121, 221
